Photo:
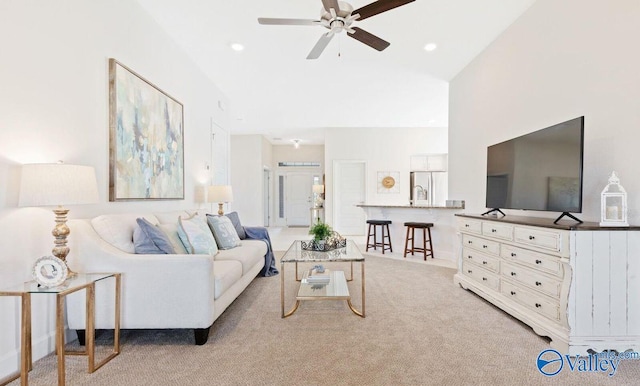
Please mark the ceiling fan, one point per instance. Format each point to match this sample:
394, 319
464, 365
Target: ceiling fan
338, 16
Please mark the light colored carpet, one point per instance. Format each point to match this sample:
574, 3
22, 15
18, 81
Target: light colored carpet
420, 329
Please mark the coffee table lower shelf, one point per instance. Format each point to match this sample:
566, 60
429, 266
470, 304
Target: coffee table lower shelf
335, 289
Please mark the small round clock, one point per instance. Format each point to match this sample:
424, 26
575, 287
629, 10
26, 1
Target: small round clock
50, 271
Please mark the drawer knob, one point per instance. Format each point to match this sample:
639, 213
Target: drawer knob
513, 254
484, 279
493, 231
538, 305
469, 271
538, 283
513, 292
513, 273
469, 242
532, 237
469, 257
538, 261
466, 225
484, 246
484, 263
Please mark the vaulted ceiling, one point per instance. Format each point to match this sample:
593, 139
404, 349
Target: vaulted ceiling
274, 90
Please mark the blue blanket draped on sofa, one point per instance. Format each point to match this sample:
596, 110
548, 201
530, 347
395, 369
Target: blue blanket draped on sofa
261, 233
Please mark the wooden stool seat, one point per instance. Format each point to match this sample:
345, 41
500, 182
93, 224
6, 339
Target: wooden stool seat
385, 241
426, 229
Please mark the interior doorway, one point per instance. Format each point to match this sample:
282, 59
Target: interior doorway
266, 188
349, 190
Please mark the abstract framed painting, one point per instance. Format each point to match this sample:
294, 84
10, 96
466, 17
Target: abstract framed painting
146, 146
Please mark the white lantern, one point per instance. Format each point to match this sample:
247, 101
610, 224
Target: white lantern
613, 211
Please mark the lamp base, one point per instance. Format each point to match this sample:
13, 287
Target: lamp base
60, 233
220, 209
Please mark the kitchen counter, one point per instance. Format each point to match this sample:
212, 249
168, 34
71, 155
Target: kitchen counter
407, 206
442, 217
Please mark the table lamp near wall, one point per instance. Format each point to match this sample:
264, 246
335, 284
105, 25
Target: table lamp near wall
57, 185
220, 194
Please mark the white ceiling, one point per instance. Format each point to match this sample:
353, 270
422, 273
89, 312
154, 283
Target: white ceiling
275, 91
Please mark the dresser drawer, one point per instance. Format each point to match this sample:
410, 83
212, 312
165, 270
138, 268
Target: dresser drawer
481, 275
491, 263
471, 226
549, 240
484, 245
535, 280
536, 260
537, 303
497, 230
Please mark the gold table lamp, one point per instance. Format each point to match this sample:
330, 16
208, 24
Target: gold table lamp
220, 194
57, 185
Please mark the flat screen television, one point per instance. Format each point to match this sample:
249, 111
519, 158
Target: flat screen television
540, 171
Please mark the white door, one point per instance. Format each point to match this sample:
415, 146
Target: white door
298, 200
349, 190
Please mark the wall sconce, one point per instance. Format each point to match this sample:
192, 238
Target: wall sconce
220, 194
58, 184
613, 205
296, 143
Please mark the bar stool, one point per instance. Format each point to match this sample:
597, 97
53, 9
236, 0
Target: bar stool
385, 244
411, 228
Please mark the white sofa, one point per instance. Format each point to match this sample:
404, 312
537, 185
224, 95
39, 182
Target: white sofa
181, 291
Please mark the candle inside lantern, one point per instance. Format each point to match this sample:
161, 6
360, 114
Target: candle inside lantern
613, 213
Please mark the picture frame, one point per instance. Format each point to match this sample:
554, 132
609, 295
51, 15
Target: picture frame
146, 142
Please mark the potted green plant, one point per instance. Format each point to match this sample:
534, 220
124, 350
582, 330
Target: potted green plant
320, 231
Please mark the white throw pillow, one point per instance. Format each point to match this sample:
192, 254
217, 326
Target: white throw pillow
171, 230
196, 236
224, 232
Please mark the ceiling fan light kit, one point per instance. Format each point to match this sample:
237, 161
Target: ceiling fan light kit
338, 16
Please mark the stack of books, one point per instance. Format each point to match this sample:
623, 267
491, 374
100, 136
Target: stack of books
318, 277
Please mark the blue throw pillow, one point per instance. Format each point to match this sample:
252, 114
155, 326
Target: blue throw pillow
224, 232
235, 220
151, 240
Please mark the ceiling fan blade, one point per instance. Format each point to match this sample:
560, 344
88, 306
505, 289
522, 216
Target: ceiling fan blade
328, 4
278, 21
378, 7
320, 45
369, 39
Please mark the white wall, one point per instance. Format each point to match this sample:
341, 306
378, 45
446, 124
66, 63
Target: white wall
560, 60
246, 178
54, 105
384, 149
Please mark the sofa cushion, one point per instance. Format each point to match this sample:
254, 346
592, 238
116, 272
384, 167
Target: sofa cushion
235, 220
171, 217
226, 273
171, 230
251, 253
149, 239
117, 229
196, 236
224, 232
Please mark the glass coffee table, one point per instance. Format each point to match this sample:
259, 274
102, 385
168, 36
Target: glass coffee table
313, 285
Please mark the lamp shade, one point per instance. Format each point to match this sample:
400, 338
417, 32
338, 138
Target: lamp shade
220, 193
57, 184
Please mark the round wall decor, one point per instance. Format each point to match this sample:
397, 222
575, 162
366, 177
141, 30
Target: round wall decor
388, 182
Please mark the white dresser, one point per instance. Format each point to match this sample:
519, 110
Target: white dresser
578, 285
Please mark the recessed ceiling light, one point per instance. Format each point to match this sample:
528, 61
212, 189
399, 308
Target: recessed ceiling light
236, 46
430, 47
